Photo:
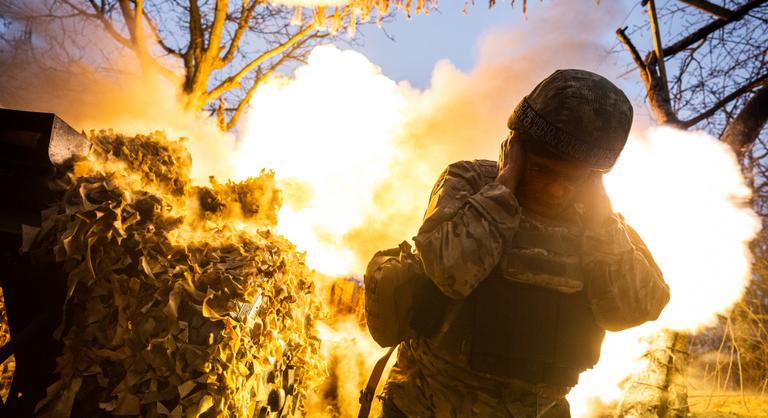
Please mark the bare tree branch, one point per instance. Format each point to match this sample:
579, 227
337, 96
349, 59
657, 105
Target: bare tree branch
658, 93
713, 9
746, 127
622, 34
195, 50
106, 23
214, 38
233, 80
249, 94
130, 19
219, 44
242, 26
760, 81
708, 29
657, 45
158, 38
133, 21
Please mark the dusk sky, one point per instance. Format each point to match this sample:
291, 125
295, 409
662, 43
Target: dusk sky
408, 50
448, 33
416, 45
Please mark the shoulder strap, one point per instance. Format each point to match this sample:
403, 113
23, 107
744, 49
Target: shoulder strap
367, 394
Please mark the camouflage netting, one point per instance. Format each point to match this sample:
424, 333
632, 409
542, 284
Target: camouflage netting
180, 299
8, 366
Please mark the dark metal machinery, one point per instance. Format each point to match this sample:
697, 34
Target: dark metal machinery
34, 147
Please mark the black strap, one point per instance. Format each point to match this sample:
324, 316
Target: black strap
367, 394
527, 370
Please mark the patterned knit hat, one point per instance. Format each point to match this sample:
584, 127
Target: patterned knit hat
575, 115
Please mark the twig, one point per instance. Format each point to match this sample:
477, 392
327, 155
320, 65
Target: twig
622, 34
713, 9
709, 28
735, 346
725, 100
657, 44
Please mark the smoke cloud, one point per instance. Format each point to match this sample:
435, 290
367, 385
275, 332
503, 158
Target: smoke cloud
462, 115
72, 68
302, 132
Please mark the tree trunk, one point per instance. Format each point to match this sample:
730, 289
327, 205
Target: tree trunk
746, 127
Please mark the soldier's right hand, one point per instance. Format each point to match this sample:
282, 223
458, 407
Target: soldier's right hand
511, 162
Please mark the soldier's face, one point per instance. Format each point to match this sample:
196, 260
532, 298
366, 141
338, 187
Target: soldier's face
549, 187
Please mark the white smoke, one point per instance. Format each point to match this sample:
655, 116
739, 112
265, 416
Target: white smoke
685, 194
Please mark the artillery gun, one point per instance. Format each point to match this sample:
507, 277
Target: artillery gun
35, 149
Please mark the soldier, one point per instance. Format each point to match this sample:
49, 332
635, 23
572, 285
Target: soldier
535, 262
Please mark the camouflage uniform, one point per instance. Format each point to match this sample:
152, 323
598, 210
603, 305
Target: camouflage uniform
532, 297
470, 221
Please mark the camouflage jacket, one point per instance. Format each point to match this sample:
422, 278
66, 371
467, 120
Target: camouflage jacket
466, 225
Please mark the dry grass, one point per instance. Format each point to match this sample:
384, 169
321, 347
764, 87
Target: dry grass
728, 405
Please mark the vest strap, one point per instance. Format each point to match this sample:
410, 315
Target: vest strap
367, 394
527, 370
564, 244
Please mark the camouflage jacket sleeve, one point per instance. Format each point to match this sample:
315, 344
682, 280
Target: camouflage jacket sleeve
624, 284
468, 219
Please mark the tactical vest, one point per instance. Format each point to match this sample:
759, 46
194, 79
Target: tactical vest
529, 319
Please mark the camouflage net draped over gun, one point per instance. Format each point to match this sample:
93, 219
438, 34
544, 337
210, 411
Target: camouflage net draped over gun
8, 367
180, 300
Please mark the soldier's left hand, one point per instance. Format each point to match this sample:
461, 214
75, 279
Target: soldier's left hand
597, 204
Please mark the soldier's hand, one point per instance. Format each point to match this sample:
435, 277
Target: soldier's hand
597, 205
511, 163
